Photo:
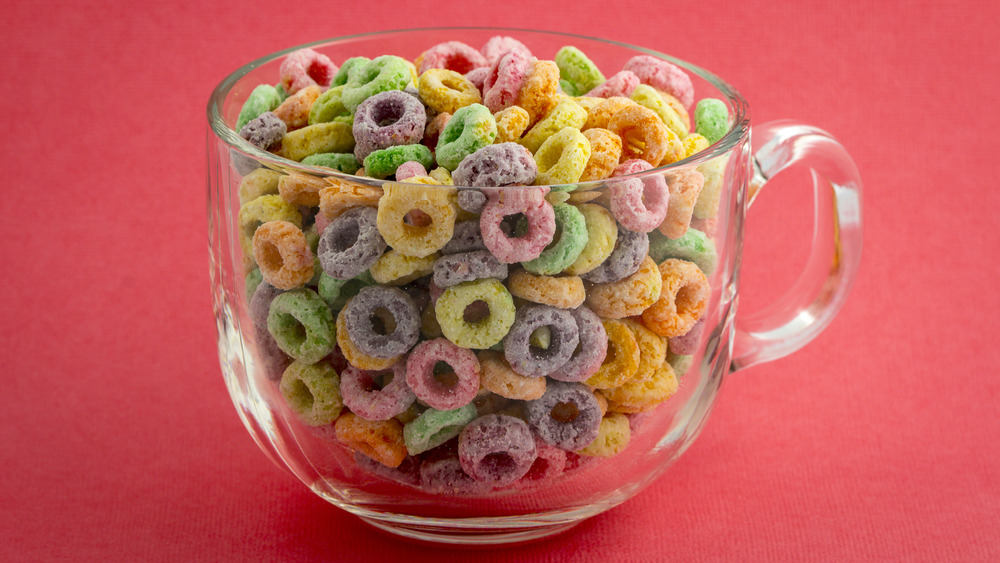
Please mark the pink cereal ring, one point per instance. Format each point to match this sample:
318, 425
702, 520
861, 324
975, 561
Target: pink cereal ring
477, 76
498, 46
639, 204
410, 169
306, 67
663, 76
452, 55
621, 84
443, 391
504, 202
505, 79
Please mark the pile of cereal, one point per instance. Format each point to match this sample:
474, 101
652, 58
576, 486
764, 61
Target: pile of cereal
468, 339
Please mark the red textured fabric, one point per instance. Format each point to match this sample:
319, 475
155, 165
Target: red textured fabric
878, 441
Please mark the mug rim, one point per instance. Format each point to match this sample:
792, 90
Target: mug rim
737, 133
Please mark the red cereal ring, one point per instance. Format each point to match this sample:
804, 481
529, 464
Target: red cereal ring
443, 391
452, 55
505, 79
306, 67
639, 204
541, 219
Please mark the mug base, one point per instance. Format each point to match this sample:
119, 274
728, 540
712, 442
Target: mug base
455, 533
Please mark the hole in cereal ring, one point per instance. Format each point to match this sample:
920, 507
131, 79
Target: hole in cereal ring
387, 113
251, 228
609, 358
444, 374
301, 396
565, 412
541, 338
686, 298
476, 312
537, 470
497, 464
514, 226
381, 380
417, 218
320, 73
383, 323
270, 256
346, 237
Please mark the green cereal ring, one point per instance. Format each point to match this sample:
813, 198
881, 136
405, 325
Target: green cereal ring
253, 279
262, 99
567, 244
711, 119
470, 128
347, 69
342, 161
302, 325
567, 114
433, 427
457, 319
384, 162
336, 292
253, 214
282, 93
568, 88
694, 246
380, 74
647, 96
334, 136
602, 232
578, 70
312, 391
613, 436
561, 159
262, 181
329, 106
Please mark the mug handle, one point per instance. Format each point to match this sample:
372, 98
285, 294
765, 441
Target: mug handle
811, 304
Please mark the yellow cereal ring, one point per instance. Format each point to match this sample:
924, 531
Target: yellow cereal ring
333, 136
262, 181
301, 189
602, 232
600, 114
341, 195
294, 111
588, 102
678, 107
637, 396
445, 90
682, 301
649, 97
283, 255
262, 209
622, 359
437, 202
564, 292
538, 95
396, 268
644, 136
711, 193
627, 297
498, 377
352, 354
578, 197
613, 437
562, 158
567, 114
652, 350
380, 440
442, 176
511, 124
605, 154
694, 143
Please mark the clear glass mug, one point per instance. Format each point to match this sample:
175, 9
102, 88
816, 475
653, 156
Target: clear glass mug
587, 485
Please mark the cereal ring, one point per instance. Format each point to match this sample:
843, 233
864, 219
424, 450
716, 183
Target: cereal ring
312, 391
711, 118
621, 83
613, 436
498, 45
264, 131
442, 473
498, 377
577, 70
512, 122
652, 350
643, 135
351, 243
341, 195
689, 342
451, 55
301, 189
384, 162
605, 153
261, 99
566, 114
530, 202
446, 90
435, 427
272, 361
680, 363
336, 292
371, 400
294, 111
442, 176
302, 325
638, 203
685, 186
380, 440
533, 361
571, 239
329, 106
467, 236
496, 449
566, 416
550, 463
260, 303
284, 256
262, 181
380, 74
641, 395
602, 237
341, 161
396, 268
472, 201
410, 169
505, 79
383, 322
453, 269
600, 114
260, 210
351, 352
622, 359
563, 292
626, 257
347, 68
503, 164
470, 128
432, 132
714, 172
628, 296
406, 473
649, 97
682, 302
398, 201
442, 391
304, 68
477, 77
334, 136
664, 76
387, 119
538, 94
475, 314
590, 353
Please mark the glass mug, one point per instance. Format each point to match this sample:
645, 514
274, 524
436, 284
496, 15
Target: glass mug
557, 494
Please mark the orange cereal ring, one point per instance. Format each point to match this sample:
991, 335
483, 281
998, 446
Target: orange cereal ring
622, 359
599, 115
260, 210
445, 90
498, 377
563, 292
511, 124
340, 195
602, 402
613, 436
355, 356
605, 154
301, 189
685, 186
294, 111
538, 94
283, 255
644, 135
380, 440
435, 201
637, 396
652, 350
682, 301
629, 296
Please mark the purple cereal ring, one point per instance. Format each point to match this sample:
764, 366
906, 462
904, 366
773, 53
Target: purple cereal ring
272, 359
368, 327
452, 55
410, 169
366, 398
442, 473
351, 243
529, 360
471, 200
443, 391
387, 119
466, 237
503, 164
567, 416
621, 84
260, 303
630, 249
497, 449
590, 353
264, 131
507, 76
306, 67
453, 269
407, 473
639, 204
663, 76
687, 343
528, 201
498, 46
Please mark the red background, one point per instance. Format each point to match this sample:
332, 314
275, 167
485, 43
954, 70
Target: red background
878, 441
